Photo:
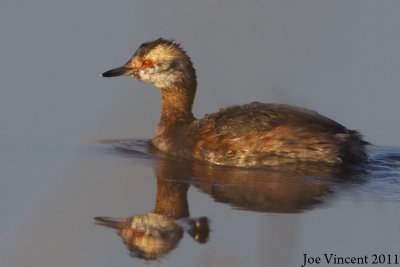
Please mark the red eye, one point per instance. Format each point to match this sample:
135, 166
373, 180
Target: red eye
147, 63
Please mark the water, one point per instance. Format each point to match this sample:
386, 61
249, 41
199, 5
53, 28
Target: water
74, 147
117, 203
256, 213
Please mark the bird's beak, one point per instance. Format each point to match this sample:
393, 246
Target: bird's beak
120, 71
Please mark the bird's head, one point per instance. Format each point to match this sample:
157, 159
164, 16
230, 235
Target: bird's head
161, 62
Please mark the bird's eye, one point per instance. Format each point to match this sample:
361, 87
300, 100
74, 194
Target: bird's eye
147, 63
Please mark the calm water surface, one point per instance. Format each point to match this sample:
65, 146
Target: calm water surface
119, 203
68, 199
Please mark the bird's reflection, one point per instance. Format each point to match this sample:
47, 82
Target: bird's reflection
289, 189
155, 234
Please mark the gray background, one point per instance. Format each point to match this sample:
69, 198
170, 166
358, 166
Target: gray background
338, 57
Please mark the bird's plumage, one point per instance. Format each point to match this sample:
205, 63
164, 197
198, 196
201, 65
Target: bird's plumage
250, 135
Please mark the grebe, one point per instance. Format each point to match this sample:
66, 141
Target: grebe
250, 135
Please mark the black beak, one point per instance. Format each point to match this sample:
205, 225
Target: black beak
121, 71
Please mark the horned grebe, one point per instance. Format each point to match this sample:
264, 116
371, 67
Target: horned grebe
250, 135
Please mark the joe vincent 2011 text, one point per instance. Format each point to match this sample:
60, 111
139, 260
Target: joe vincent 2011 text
330, 258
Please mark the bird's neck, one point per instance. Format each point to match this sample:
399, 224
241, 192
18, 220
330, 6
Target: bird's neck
176, 111
176, 104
